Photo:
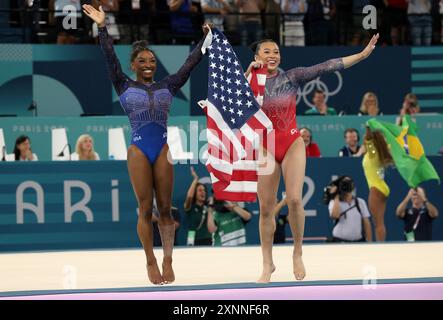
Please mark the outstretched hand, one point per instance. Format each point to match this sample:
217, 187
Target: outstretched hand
194, 174
370, 47
97, 15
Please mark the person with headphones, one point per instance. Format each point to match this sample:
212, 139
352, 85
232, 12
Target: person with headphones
352, 146
312, 149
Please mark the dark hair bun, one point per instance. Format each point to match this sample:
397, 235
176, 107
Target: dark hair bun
141, 43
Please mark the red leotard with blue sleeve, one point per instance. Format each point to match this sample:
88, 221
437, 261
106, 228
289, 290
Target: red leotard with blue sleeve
279, 103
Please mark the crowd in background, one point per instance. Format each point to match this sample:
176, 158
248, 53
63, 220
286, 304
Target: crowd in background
289, 22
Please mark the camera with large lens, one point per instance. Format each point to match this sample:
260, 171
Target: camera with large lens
344, 185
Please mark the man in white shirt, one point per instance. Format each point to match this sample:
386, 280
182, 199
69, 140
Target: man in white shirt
351, 214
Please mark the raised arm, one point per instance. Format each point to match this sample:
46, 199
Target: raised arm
177, 80
306, 74
401, 208
191, 190
309, 73
349, 61
118, 78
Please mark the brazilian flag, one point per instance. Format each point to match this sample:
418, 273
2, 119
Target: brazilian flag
406, 150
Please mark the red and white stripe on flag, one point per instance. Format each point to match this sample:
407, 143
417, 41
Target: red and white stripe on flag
233, 156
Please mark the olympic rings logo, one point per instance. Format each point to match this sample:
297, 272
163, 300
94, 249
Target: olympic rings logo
318, 84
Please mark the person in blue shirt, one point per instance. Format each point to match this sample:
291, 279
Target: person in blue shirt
147, 104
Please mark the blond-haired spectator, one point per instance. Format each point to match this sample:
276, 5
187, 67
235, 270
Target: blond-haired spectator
84, 149
369, 105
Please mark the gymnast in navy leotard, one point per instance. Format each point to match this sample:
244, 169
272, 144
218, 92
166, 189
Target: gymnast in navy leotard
147, 105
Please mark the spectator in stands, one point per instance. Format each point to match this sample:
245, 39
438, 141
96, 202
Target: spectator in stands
360, 35
250, 24
350, 214
410, 106
181, 23
196, 209
397, 19
22, 149
67, 21
272, 19
437, 21
113, 7
345, 20
281, 220
312, 149
419, 217
214, 11
84, 149
226, 222
420, 21
320, 28
369, 105
294, 34
320, 106
232, 21
155, 217
197, 18
352, 145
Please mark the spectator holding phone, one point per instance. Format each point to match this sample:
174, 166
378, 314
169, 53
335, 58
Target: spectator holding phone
419, 217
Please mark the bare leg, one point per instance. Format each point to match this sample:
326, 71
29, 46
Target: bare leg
267, 192
140, 172
293, 167
377, 206
163, 182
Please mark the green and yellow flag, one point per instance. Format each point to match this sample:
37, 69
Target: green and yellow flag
406, 150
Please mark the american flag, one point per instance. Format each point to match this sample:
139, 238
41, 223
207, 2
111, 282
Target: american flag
235, 123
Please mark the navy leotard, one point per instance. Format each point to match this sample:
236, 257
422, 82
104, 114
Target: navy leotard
147, 106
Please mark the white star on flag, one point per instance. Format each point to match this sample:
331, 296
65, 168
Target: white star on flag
233, 135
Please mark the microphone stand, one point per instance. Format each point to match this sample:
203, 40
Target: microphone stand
62, 153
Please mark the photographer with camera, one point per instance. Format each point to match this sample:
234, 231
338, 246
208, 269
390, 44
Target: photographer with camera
226, 221
351, 214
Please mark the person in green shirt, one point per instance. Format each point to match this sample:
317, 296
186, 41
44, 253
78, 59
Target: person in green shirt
226, 221
320, 107
197, 213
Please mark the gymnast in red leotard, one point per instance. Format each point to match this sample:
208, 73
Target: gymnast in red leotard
284, 151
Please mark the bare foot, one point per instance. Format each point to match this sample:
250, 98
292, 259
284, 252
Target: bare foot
154, 274
268, 269
299, 267
168, 272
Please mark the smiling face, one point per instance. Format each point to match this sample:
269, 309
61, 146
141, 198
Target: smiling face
144, 65
351, 139
200, 193
269, 53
